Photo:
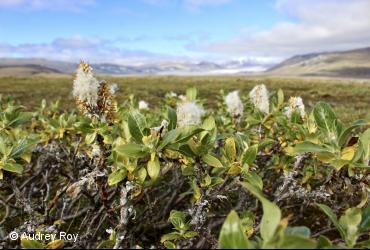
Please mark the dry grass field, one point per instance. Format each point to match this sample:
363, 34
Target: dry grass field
350, 98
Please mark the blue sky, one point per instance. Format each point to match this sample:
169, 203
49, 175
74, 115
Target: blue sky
138, 31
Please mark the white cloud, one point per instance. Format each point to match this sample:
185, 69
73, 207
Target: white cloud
195, 4
318, 26
78, 48
155, 2
9, 3
55, 5
196, 36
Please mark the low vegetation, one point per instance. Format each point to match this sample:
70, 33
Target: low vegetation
350, 99
239, 169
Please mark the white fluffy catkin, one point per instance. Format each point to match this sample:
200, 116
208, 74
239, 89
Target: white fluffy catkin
259, 96
189, 113
295, 104
85, 86
234, 104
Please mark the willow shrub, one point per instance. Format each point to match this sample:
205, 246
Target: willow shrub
259, 171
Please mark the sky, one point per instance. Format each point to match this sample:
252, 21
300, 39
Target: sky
147, 31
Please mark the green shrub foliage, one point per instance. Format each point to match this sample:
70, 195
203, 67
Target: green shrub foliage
259, 171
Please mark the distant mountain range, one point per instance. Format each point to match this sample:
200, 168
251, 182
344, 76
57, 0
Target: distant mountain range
344, 64
32, 66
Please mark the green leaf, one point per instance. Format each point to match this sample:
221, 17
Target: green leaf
297, 242
350, 222
196, 189
208, 139
169, 245
117, 176
212, 161
185, 150
209, 123
308, 146
327, 210
191, 94
265, 142
170, 237
250, 155
325, 117
303, 231
363, 244
323, 242
344, 136
136, 125
5, 150
254, 179
191, 234
13, 167
271, 213
89, 139
22, 147
106, 244
31, 244
365, 223
168, 138
172, 117
206, 181
232, 235
280, 95
177, 219
178, 135
365, 144
132, 150
186, 133
338, 164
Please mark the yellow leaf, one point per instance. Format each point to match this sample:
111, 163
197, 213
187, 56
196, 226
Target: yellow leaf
348, 153
171, 154
59, 222
284, 222
289, 150
230, 149
193, 146
26, 157
325, 157
153, 167
31, 244
147, 139
197, 194
137, 190
55, 244
364, 198
131, 168
206, 181
234, 169
61, 132
250, 232
141, 175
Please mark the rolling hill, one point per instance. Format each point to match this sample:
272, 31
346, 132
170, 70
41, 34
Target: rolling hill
34, 66
344, 64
